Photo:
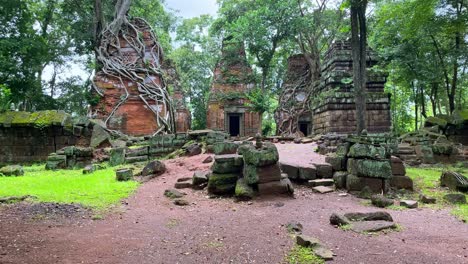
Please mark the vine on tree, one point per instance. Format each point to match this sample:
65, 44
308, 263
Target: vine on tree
141, 71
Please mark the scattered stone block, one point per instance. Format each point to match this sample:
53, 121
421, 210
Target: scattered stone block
193, 149
184, 184
222, 184
307, 241
323, 252
381, 201
321, 182
371, 226
243, 191
172, 194
455, 198
401, 182
99, 136
409, 204
181, 202
294, 226
200, 178
208, 159
12, 170
323, 189
117, 156
426, 199
324, 170
124, 174
55, 162
183, 179
454, 181
89, 169
155, 168
137, 151
229, 163
339, 178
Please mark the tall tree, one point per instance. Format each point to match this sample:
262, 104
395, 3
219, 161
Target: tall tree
359, 51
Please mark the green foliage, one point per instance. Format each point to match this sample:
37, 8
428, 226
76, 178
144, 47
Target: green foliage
98, 190
302, 255
5, 98
195, 60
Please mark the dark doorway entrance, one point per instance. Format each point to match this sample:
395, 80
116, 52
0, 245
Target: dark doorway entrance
304, 128
234, 124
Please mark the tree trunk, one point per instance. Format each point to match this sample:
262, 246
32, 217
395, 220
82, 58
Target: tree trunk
433, 97
359, 46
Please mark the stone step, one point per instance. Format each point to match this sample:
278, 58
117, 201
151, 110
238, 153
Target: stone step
321, 182
323, 189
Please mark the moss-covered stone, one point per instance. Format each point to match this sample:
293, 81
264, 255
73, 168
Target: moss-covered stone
55, 162
36, 119
442, 148
338, 163
243, 191
226, 147
367, 151
229, 163
267, 155
124, 175
250, 174
222, 184
12, 170
370, 168
100, 136
117, 156
432, 121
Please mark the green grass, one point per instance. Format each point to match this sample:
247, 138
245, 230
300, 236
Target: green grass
302, 255
426, 181
98, 190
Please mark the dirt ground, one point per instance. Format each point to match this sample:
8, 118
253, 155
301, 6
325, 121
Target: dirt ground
148, 228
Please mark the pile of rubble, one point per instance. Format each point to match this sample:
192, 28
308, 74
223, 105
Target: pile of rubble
243, 170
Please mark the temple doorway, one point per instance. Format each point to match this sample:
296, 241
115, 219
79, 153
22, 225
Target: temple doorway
234, 124
304, 128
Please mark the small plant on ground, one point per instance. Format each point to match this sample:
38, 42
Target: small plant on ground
302, 255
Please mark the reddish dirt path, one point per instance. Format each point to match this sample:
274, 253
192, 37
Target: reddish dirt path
150, 229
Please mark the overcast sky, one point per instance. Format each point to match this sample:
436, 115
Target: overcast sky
193, 8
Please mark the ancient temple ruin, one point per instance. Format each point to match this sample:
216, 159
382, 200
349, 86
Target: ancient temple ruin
331, 108
228, 108
133, 96
334, 109
181, 112
293, 116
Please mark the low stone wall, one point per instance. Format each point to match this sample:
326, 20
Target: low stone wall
31, 137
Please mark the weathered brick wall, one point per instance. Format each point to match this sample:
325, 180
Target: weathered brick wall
336, 112
24, 139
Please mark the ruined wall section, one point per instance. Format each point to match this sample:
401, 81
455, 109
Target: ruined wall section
182, 118
334, 108
31, 137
